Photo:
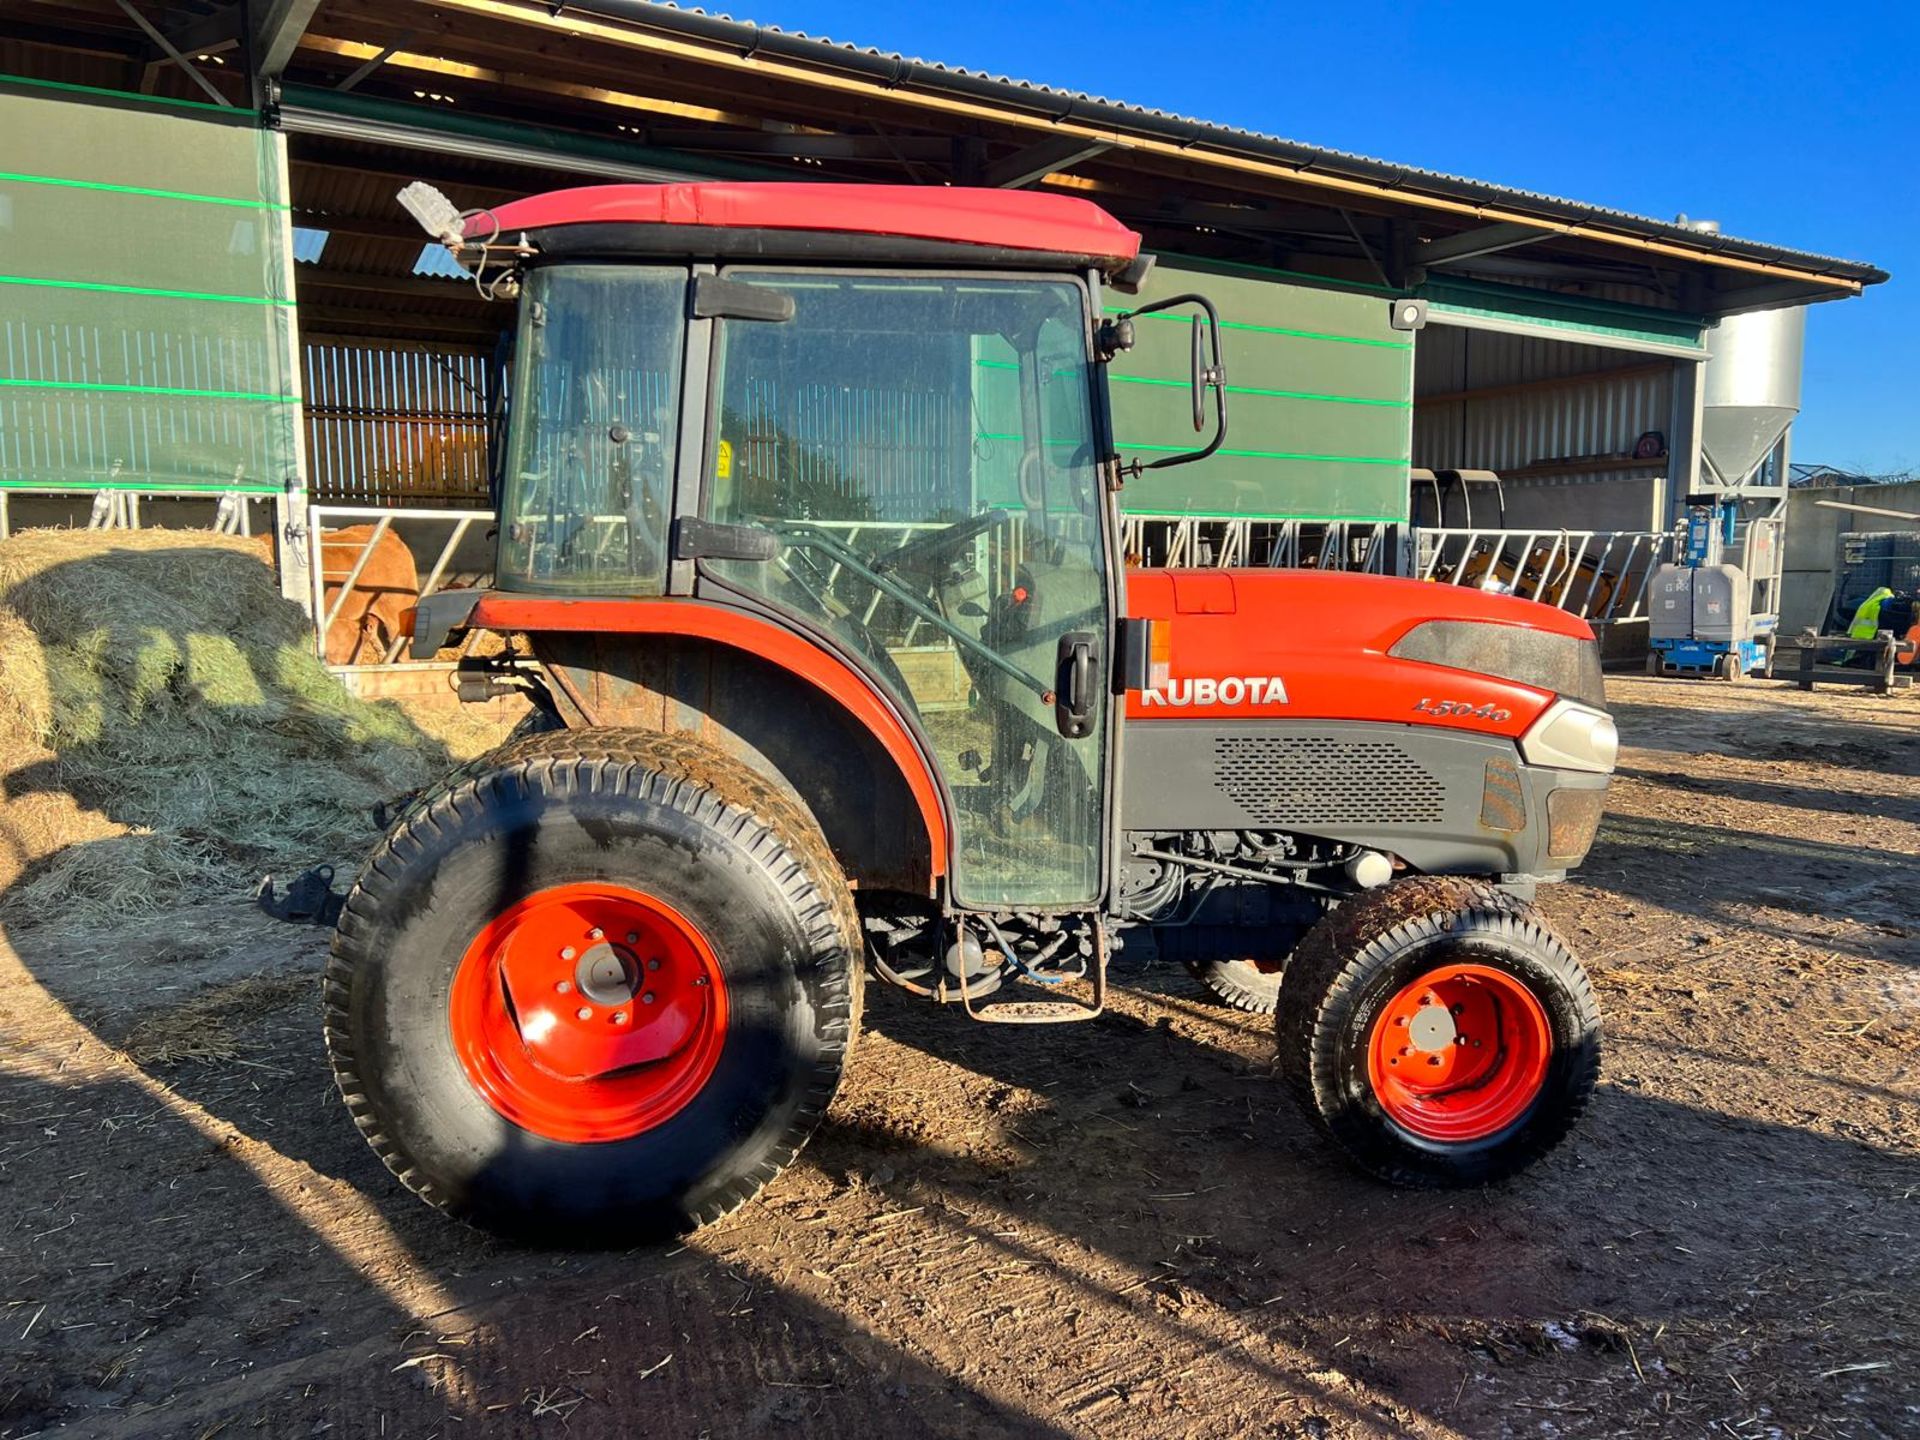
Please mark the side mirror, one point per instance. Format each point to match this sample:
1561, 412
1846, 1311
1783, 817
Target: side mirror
1208, 372
1200, 377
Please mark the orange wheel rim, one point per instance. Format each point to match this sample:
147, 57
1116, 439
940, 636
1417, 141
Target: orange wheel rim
1460, 1054
588, 1012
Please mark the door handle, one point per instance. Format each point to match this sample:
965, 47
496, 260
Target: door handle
1074, 688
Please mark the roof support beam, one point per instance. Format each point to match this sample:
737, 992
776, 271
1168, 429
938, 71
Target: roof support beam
1487, 240
1042, 158
277, 32
207, 35
374, 62
172, 52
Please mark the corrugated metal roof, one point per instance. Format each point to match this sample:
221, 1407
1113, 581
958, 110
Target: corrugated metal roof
905, 72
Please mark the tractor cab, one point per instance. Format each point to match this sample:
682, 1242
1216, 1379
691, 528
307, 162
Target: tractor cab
873, 416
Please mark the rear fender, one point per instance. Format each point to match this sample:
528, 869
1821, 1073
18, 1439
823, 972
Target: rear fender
795, 712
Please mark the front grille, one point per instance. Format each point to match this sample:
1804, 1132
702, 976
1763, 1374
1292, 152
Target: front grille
1305, 780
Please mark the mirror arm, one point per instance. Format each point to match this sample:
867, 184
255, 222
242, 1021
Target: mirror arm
1214, 377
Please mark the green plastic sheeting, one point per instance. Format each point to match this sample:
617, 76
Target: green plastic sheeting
1565, 317
1320, 401
146, 324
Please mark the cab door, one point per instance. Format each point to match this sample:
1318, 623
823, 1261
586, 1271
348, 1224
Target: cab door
923, 449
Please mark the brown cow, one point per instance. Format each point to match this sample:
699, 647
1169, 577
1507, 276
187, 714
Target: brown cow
387, 587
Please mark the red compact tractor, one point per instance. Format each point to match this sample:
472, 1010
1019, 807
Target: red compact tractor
808, 511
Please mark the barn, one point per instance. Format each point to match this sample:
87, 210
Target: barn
217, 313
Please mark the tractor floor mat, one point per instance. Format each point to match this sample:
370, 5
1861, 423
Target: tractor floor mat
309, 898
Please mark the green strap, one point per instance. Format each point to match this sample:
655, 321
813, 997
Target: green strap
144, 487
1269, 394
107, 389
100, 287
19, 177
235, 112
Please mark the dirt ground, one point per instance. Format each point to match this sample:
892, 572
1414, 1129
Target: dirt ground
1116, 1229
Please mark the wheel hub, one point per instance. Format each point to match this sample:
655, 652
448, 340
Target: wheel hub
589, 1012
607, 974
1432, 1028
1460, 1053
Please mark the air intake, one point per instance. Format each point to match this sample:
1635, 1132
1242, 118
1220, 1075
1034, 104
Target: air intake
1308, 780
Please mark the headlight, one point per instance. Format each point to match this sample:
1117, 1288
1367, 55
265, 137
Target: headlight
1571, 736
1564, 664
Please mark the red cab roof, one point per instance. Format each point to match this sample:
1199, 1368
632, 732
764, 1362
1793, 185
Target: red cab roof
1001, 219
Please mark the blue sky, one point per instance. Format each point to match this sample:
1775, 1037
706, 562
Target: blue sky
1796, 124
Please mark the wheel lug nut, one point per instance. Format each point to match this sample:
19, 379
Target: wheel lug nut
584, 1013
596, 933
1433, 1059
619, 1017
647, 999
566, 952
565, 987
699, 979
633, 937
653, 964
1401, 1021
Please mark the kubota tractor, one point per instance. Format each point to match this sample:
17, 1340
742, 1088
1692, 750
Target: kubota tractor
808, 515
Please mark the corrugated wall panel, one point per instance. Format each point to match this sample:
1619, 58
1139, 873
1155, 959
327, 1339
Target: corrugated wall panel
1602, 416
1511, 432
1451, 359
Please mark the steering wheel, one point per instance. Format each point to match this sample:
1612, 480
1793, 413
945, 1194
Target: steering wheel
937, 547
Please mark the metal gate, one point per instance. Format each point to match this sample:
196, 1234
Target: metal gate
1600, 575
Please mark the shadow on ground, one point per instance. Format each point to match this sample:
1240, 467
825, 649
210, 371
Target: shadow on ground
1117, 1228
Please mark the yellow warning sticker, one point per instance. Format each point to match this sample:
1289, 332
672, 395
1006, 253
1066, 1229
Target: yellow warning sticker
723, 462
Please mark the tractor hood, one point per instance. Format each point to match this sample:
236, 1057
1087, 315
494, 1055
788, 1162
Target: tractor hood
1308, 644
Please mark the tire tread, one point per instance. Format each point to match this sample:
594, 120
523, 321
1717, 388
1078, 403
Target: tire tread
677, 771
1335, 959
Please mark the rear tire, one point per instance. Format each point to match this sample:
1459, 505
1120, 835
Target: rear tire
505, 1128
1493, 1079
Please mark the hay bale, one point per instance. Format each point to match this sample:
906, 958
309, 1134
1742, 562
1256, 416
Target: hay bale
178, 731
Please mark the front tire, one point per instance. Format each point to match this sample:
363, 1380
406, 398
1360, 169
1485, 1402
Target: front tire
1439, 1033
599, 990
